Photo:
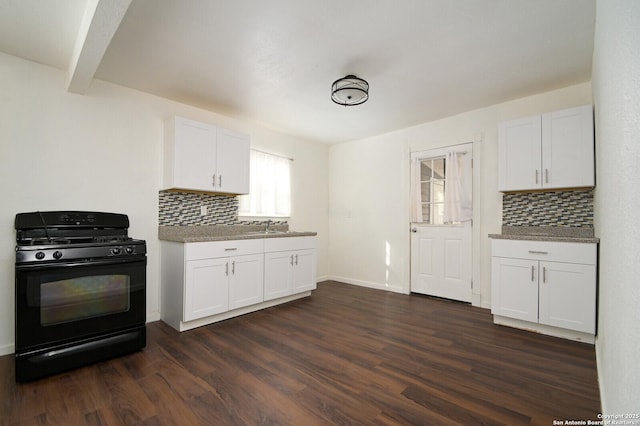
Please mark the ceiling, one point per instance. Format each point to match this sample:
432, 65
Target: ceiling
273, 62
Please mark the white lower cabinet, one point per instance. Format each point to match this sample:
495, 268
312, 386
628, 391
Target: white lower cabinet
245, 280
567, 296
277, 274
206, 288
290, 266
204, 282
304, 271
546, 283
216, 282
217, 285
514, 289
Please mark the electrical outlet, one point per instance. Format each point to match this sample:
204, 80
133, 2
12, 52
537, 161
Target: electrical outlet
203, 210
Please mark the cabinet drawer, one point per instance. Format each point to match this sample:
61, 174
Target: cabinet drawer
211, 249
289, 243
584, 253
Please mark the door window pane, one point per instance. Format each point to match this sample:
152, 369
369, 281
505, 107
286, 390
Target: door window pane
432, 187
438, 168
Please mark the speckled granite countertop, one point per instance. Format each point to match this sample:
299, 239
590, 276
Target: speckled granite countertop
193, 234
547, 233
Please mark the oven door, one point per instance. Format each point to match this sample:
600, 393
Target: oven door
64, 302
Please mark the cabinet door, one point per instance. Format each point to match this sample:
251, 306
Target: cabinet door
246, 280
568, 296
519, 154
567, 148
232, 163
194, 155
514, 288
277, 274
304, 271
206, 288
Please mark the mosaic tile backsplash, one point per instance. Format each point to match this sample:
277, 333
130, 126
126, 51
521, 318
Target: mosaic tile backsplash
555, 208
183, 209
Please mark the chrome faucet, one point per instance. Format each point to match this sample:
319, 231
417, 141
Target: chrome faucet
266, 227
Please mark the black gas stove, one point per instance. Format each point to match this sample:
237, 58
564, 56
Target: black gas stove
71, 235
80, 290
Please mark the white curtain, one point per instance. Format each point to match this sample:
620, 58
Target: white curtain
270, 187
457, 193
416, 191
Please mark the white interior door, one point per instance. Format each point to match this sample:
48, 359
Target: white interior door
441, 253
441, 260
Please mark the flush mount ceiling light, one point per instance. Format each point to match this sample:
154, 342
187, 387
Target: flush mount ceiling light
350, 90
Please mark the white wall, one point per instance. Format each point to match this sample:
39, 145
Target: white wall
103, 151
616, 91
369, 191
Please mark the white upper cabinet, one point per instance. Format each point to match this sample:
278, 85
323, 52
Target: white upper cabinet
232, 162
548, 151
203, 157
568, 148
519, 154
189, 154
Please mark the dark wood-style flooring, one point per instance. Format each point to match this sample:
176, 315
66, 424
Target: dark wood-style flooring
346, 355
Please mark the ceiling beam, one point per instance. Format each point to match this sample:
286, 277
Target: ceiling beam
100, 21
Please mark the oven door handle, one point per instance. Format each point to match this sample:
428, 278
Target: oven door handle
73, 264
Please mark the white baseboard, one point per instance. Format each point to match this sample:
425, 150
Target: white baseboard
189, 325
369, 284
603, 397
7, 349
577, 336
153, 316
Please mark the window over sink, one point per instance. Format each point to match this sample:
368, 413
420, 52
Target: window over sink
270, 186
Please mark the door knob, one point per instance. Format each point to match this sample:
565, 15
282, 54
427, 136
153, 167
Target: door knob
414, 229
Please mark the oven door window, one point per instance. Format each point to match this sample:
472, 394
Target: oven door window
83, 297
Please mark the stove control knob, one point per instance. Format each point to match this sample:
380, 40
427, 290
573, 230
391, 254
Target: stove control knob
129, 250
57, 254
39, 255
115, 250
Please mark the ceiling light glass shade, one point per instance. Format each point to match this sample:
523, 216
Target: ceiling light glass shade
350, 90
